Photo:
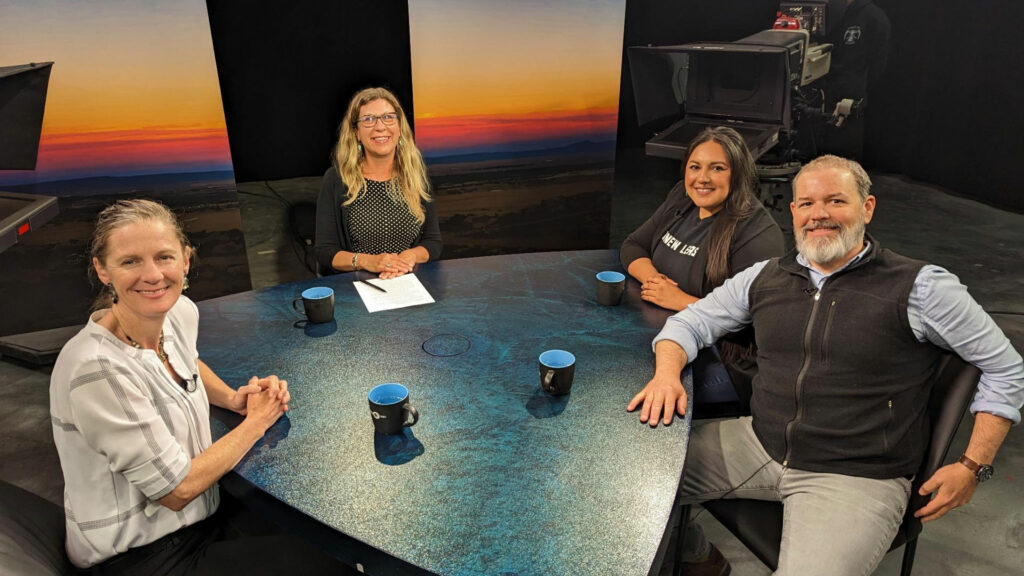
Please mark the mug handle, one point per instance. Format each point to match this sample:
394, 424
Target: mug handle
410, 409
295, 305
548, 376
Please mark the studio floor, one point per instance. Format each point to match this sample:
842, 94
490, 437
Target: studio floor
979, 243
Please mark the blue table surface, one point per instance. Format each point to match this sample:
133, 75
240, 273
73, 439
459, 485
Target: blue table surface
497, 477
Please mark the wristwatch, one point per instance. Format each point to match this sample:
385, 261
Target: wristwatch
981, 471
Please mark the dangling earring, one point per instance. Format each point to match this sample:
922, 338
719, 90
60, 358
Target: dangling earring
185, 284
113, 293
359, 147
399, 140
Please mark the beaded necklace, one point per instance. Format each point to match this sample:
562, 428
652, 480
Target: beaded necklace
160, 353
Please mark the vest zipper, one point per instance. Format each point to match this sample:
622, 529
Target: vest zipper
800, 376
888, 425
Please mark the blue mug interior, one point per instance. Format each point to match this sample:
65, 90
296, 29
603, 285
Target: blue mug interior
557, 359
609, 276
386, 394
317, 293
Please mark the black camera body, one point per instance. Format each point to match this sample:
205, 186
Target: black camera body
762, 85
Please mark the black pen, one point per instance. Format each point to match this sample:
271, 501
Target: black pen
374, 286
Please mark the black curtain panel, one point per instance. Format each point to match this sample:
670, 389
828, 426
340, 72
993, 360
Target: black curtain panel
288, 69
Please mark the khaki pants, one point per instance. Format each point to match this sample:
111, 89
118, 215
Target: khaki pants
833, 524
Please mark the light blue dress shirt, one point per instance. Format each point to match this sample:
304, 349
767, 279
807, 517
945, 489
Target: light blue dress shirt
939, 310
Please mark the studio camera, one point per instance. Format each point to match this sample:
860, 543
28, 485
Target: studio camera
766, 86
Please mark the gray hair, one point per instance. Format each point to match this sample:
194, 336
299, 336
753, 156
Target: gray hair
851, 167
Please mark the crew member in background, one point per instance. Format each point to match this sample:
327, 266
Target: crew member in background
860, 51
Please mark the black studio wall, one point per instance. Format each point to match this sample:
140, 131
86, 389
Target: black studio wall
948, 113
951, 114
287, 70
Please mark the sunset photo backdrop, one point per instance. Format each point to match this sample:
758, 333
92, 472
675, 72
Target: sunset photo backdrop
133, 90
498, 76
133, 109
516, 112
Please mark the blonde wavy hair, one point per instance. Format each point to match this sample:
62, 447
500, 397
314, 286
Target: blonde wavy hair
409, 172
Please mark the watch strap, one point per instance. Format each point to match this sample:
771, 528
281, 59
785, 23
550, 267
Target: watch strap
982, 472
971, 464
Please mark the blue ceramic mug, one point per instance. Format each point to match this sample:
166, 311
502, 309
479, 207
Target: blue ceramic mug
557, 368
390, 408
610, 286
317, 304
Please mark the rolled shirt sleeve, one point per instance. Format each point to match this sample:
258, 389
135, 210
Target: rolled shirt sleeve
118, 420
726, 309
941, 311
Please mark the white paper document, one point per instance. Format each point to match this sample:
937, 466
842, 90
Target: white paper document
406, 290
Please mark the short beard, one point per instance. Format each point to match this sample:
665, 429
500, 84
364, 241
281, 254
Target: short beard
825, 251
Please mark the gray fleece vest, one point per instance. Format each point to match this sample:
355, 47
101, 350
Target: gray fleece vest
843, 384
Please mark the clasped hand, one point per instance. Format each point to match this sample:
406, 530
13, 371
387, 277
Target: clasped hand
663, 291
267, 396
389, 265
661, 398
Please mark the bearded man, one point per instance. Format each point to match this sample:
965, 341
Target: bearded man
849, 335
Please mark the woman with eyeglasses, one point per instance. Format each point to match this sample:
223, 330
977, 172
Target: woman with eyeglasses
130, 405
374, 211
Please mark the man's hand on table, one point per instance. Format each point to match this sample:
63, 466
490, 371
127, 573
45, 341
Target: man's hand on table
661, 398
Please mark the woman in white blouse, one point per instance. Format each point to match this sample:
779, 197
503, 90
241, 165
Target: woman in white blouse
130, 404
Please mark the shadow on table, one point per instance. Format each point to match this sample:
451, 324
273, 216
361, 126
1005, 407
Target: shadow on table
543, 405
279, 431
317, 330
397, 449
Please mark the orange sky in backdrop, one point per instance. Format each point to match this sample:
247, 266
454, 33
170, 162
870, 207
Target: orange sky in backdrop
468, 131
134, 86
491, 71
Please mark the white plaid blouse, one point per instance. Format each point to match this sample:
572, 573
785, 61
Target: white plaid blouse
126, 434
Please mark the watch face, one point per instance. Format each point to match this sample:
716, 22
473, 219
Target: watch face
985, 473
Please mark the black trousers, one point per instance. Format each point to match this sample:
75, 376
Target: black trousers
232, 541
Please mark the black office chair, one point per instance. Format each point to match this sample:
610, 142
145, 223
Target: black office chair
31, 534
758, 524
302, 220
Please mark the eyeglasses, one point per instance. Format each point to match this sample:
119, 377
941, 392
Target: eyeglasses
370, 120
